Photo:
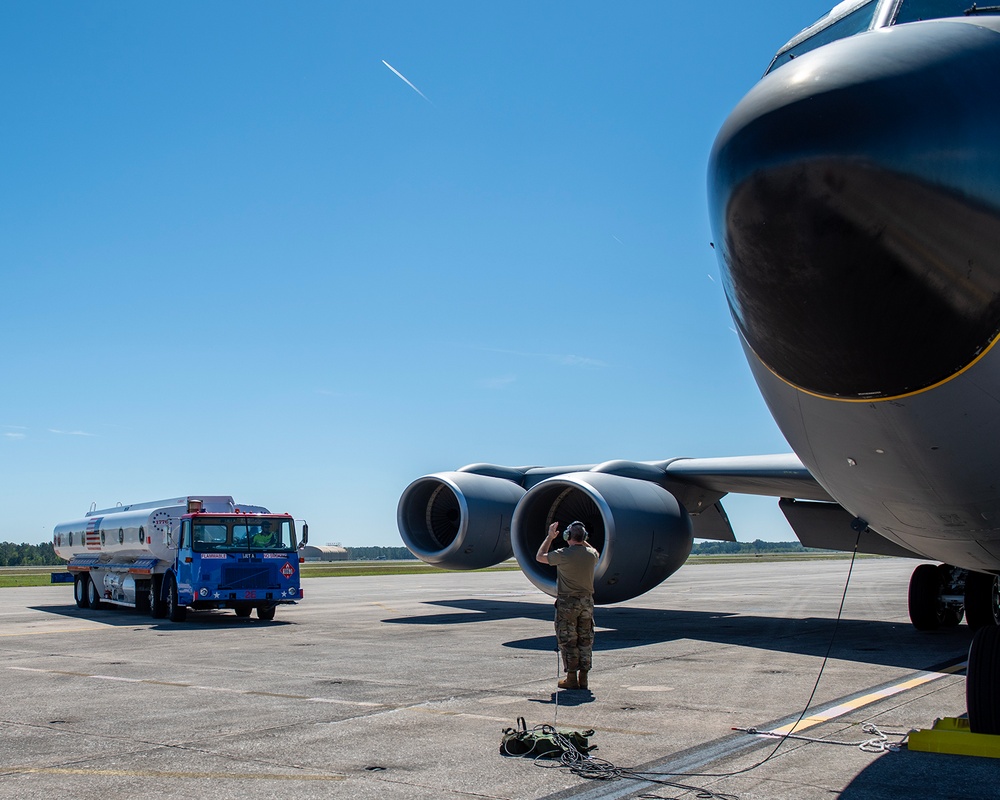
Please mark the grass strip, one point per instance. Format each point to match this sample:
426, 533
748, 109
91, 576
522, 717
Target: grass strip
11, 577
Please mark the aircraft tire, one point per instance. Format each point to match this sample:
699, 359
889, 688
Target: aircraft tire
266, 613
93, 594
982, 684
175, 611
80, 590
982, 600
924, 598
157, 605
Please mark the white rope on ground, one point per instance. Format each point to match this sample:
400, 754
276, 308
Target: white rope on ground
878, 743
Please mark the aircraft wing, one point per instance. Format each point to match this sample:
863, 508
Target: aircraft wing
642, 515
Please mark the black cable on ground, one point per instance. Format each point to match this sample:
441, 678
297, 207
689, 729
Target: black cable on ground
592, 768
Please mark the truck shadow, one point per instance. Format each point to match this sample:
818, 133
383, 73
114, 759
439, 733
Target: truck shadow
125, 618
619, 627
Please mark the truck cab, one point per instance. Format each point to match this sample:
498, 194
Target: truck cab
238, 561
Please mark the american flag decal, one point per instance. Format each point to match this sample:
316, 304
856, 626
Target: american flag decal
92, 538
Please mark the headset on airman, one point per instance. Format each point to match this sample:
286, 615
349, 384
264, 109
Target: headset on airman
577, 525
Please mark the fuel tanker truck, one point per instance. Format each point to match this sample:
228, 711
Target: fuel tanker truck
199, 552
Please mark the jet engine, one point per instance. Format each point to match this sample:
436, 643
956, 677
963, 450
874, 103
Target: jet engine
458, 520
642, 533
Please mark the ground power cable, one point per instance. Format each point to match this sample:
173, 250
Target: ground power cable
812, 695
591, 768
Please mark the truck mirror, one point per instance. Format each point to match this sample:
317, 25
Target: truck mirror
305, 533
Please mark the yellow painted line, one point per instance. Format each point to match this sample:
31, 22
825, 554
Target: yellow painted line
866, 700
128, 773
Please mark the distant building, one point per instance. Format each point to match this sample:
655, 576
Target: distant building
325, 552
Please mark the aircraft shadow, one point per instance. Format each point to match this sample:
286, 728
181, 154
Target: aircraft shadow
866, 641
915, 774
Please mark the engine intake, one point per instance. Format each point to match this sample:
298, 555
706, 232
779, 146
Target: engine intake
458, 520
642, 533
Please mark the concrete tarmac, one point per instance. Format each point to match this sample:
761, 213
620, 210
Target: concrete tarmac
400, 687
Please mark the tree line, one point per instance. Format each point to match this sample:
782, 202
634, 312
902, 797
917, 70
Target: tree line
379, 554
38, 555
28, 555
743, 548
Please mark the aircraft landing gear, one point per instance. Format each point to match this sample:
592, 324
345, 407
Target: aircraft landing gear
982, 682
982, 600
936, 598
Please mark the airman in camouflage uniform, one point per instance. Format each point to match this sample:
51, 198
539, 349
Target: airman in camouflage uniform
574, 600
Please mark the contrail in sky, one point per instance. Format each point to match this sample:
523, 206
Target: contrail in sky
403, 78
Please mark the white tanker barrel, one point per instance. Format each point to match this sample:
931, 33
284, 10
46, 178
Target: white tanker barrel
137, 531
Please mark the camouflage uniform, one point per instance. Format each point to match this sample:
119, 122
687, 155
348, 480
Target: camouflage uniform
575, 631
575, 606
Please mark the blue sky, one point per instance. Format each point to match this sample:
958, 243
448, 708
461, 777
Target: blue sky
240, 255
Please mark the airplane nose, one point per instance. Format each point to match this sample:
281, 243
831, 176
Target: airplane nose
855, 203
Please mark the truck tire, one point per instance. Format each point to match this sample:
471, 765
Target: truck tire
142, 597
266, 613
80, 590
93, 594
243, 611
175, 611
157, 605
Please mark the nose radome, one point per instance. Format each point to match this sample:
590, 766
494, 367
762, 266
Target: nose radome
855, 200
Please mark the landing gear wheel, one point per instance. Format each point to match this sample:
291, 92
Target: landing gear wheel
80, 591
93, 594
175, 611
982, 682
266, 613
157, 606
982, 600
243, 611
924, 599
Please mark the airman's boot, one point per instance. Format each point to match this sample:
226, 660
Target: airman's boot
582, 680
570, 681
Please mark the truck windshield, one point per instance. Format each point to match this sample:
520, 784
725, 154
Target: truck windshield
243, 535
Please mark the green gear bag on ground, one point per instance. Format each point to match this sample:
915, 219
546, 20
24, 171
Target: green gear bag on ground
543, 741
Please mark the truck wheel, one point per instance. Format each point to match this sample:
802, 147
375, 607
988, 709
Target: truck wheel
266, 613
243, 611
93, 594
80, 591
175, 611
157, 606
142, 597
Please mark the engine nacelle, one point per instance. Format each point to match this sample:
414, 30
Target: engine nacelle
642, 533
458, 520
